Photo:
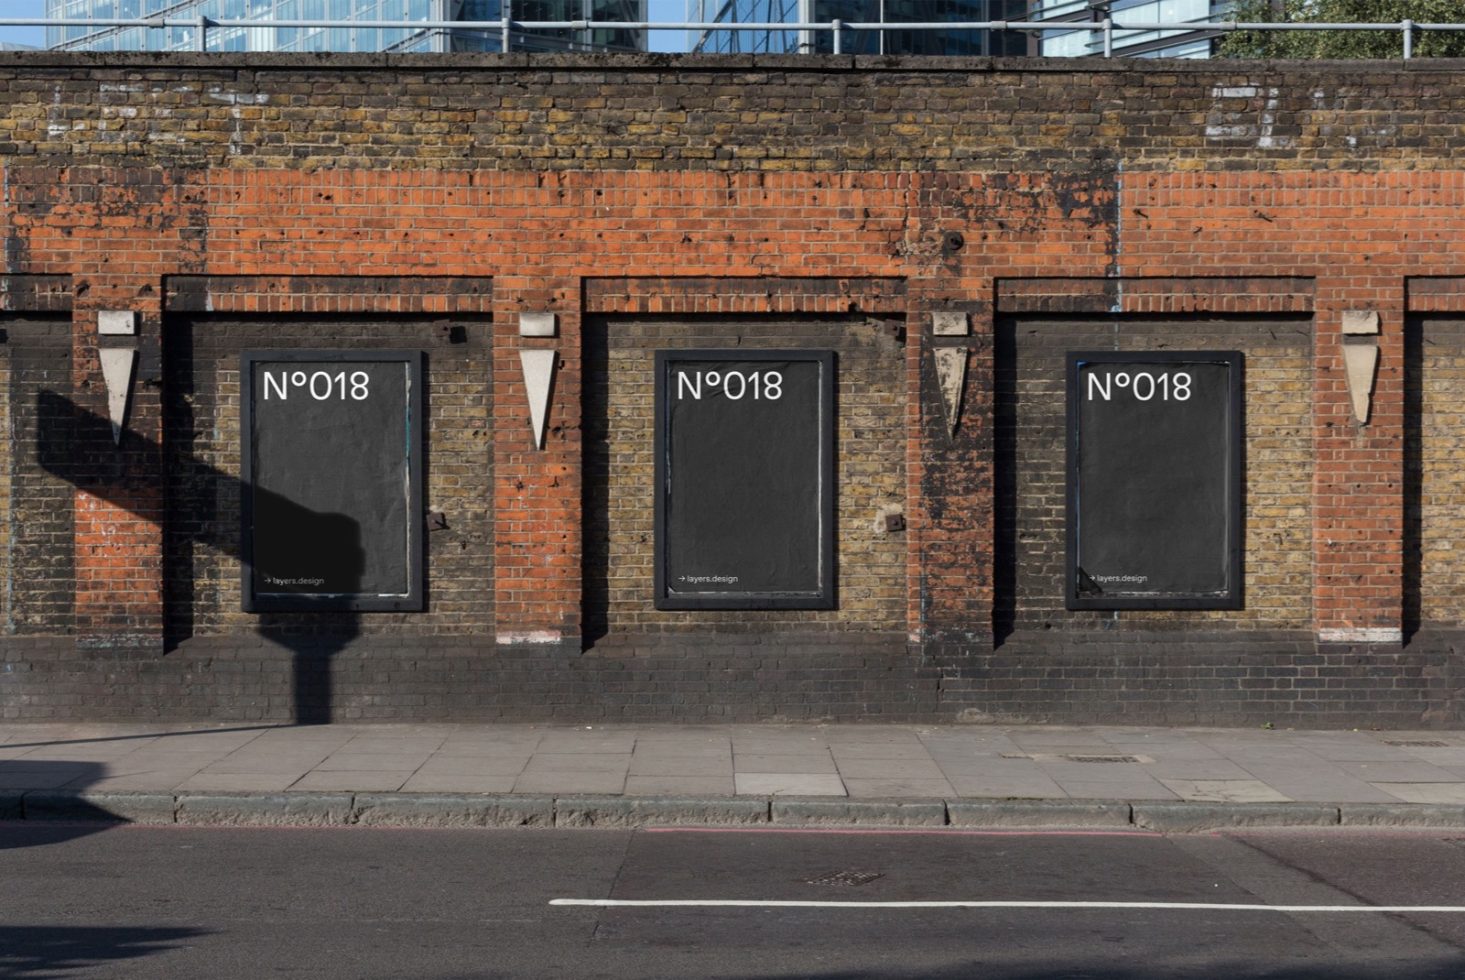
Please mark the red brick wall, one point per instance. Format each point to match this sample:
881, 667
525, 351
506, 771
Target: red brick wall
731, 187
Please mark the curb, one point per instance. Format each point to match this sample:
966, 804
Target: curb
466, 810
450, 810
1186, 818
263, 809
1023, 814
144, 808
859, 813
643, 811
1402, 815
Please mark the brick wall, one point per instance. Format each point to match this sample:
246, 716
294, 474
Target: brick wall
38, 554
202, 567
1031, 441
652, 201
1437, 442
869, 472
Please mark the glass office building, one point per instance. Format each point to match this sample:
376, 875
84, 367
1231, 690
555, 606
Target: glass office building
932, 42
1180, 43
353, 35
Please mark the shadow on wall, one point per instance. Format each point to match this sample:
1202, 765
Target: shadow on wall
77, 446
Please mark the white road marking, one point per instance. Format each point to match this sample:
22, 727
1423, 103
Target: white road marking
917, 832
1160, 906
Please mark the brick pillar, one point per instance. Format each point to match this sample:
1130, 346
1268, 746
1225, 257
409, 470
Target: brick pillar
1358, 484
950, 474
537, 492
119, 489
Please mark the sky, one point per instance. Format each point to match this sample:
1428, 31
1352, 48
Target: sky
23, 8
672, 10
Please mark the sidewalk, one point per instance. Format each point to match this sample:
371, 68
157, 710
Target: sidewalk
889, 775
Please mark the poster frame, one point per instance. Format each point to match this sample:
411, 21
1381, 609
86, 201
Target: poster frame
414, 598
1231, 597
822, 597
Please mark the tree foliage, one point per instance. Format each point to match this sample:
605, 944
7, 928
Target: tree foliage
1345, 44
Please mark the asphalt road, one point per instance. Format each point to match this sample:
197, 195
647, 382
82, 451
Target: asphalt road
83, 901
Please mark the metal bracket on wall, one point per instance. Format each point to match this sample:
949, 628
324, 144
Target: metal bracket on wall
951, 377
538, 366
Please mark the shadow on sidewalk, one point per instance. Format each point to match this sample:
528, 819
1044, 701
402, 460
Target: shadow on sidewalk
54, 951
46, 782
102, 739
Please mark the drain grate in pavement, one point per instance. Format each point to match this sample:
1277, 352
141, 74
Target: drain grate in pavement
1418, 743
1101, 758
846, 878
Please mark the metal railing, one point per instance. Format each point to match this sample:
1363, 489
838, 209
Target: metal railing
506, 27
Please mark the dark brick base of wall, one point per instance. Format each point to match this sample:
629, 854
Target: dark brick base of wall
371, 679
1281, 679
1287, 680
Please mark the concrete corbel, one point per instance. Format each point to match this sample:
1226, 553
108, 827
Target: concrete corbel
951, 378
119, 365
1360, 358
538, 366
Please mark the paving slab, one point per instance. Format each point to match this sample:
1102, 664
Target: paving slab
788, 784
680, 785
164, 779
1424, 792
1319, 783
922, 768
896, 752
248, 782
1449, 754
474, 765
1165, 769
1403, 771
897, 786
1006, 787
576, 742
811, 762
1224, 791
675, 748
578, 762
335, 779
38, 778
680, 765
472, 747
425, 782
571, 782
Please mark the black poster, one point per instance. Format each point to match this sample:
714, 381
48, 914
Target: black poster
745, 479
1154, 480
332, 467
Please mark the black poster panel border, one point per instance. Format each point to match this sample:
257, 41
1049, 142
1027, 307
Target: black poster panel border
413, 600
1076, 596
822, 597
